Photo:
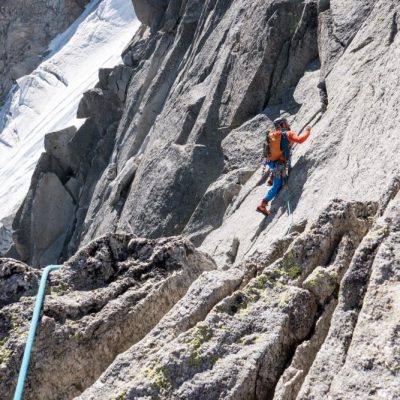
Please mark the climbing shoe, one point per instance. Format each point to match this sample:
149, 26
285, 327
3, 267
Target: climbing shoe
262, 208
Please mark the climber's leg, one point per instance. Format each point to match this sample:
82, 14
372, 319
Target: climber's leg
276, 186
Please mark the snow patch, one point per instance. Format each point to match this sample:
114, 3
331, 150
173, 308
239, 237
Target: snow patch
47, 99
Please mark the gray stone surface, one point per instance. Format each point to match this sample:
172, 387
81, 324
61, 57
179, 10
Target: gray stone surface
16, 280
26, 29
57, 210
359, 359
56, 145
339, 160
261, 339
104, 299
172, 145
210, 212
187, 87
5, 239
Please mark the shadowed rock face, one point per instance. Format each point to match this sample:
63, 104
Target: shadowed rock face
186, 84
16, 280
171, 145
5, 239
26, 29
106, 298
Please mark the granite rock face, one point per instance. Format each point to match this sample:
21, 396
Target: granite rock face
316, 317
5, 239
297, 324
171, 144
300, 305
26, 29
104, 299
188, 85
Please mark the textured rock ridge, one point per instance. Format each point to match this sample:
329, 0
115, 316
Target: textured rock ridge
300, 322
294, 331
26, 29
171, 145
105, 298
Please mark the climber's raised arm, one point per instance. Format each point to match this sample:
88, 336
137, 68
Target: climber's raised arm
294, 138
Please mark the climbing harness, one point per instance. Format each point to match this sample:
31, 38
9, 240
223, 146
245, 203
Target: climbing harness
23, 372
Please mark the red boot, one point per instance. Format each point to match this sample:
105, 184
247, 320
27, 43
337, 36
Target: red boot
262, 208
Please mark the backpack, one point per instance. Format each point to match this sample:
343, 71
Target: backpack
275, 147
285, 147
267, 145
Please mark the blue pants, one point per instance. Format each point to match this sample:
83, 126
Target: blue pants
277, 183
276, 187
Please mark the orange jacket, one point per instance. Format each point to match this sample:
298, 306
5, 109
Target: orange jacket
292, 137
275, 140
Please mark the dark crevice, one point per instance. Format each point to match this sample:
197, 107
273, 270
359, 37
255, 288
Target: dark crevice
394, 29
323, 94
123, 196
363, 44
191, 115
358, 291
340, 256
313, 331
324, 5
233, 252
272, 67
200, 37
102, 152
319, 314
290, 355
272, 80
338, 41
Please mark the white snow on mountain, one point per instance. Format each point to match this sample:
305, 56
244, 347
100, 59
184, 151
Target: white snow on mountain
47, 99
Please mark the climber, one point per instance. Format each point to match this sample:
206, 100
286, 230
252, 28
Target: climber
277, 152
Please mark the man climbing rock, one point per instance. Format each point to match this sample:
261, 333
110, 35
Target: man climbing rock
277, 150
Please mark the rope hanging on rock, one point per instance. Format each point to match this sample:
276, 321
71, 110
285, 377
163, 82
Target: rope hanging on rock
23, 372
289, 209
291, 217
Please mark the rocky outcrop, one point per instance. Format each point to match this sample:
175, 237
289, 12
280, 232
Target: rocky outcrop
104, 299
289, 324
294, 331
5, 239
303, 303
181, 122
339, 158
16, 280
188, 85
26, 29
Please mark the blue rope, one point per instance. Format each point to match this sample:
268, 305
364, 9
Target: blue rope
288, 207
23, 372
291, 215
